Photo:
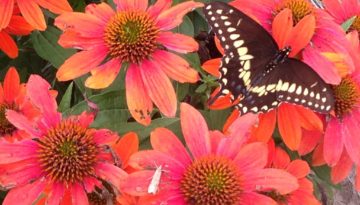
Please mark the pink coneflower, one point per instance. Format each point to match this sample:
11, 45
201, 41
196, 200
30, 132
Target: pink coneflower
31, 11
63, 156
13, 96
216, 169
327, 49
136, 35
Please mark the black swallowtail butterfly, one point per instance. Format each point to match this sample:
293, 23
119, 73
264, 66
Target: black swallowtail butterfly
254, 68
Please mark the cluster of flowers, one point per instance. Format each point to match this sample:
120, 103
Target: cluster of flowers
47, 158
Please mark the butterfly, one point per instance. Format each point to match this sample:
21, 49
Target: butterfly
254, 69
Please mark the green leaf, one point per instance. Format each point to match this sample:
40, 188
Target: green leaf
347, 24
65, 102
78, 5
202, 88
47, 47
186, 27
182, 89
216, 118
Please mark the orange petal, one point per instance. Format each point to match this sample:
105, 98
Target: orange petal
218, 45
282, 27
342, 169
138, 101
266, 126
309, 140
104, 75
176, 67
32, 13
308, 119
212, 66
80, 63
182, 44
126, 146
18, 26
1, 94
11, 85
301, 34
6, 11
56, 6
222, 102
281, 159
289, 126
159, 88
299, 168
8, 45
229, 121
318, 156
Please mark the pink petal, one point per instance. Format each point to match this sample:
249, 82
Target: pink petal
309, 141
195, 130
166, 142
32, 13
158, 7
268, 179
40, 96
81, 63
151, 159
110, 173
20, 173
248, 198
56, 194
72, 39
342, 169
104, 136
103, 11
123, 5
90, 183
252, 156
172, 17
176, 67
26, 194
138, 100
22, 123
351, 137
6, 11
177, 42
17, 151
335, 9
333, 142
238, 135
321, 65
78, 195
85, 24
104, 75
137, 183
159, 88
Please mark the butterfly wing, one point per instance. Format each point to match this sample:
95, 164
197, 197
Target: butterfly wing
248, 46
300, 84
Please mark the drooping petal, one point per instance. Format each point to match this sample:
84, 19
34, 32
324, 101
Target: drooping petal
81, 63
298, 168
55, 6
351, 137
14, 152
173, 16
282, 26
38, 91
138, 101
268, 179
110, 173
11, 85
20, 173
266, 126
18, 26
103, 75
26, 194
289, 126
212, 66
72, 39
158, 7
22, 123
342, 169
126, 146
281, 158
159, 87
333, 142
78, 195
252, 156
56, 194
182, 44
103, 11
248, 198
6, 10
335, 9
309, 141
8, 45
195, 130
357, 179
137, 183
166, 141
318, 155
31, 11
175, 67
308, 119
123, 5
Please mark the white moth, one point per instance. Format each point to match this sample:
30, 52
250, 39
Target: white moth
155, 181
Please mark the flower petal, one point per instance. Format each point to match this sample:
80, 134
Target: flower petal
176, 67
81, 63
298, 168
6, 11
18, 26
27, 194
357, 179
110, 173
182, 44
56, 194
158, 7
103, 75
212, 66
195, 131
31, 11
351, 137
56, 6
126, 146
72, 39
281, 158
173, 16
137, 183
309, 141
335, 9
342, 169
103, 11
123, 5
289, 126
248, 198
282, 26
159, 88
166, 141
138, 101
266, 126
8, 45
333, 142
11, 85
78, 195
308, 119
252, 156
22, 123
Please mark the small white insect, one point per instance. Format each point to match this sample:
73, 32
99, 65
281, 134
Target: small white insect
155, 181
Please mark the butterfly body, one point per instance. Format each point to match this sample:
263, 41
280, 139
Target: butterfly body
255, 70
